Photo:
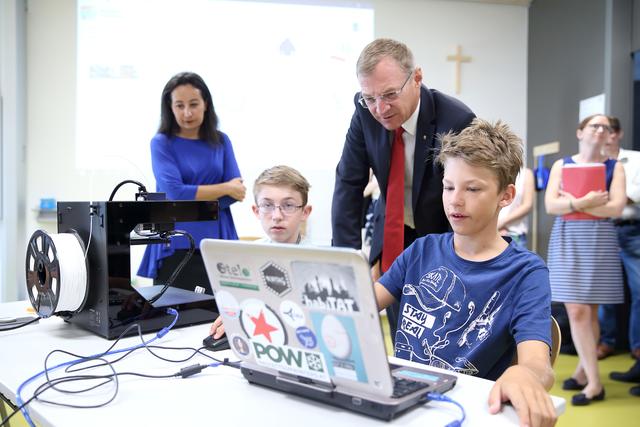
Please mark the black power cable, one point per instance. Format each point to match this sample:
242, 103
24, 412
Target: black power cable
20, 325
83, 364
183, 262
141, 187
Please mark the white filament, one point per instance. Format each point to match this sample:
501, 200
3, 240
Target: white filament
73, 272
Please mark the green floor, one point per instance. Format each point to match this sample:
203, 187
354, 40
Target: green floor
619, 408
15, 421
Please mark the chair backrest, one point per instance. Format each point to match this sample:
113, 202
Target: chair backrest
556, 340
249, 238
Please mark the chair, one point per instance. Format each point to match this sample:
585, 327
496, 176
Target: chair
249, 238
556, 340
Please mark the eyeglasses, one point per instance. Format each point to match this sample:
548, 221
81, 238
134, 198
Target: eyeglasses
286, 209
369, 101
596, 126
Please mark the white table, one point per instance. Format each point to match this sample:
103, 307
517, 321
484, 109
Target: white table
215, 397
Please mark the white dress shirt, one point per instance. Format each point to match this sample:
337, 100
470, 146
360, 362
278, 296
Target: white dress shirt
409, 137
630, 160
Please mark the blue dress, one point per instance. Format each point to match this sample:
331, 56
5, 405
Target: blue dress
584, 258
180, 165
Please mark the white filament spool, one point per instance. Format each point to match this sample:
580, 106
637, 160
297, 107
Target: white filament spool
56, 273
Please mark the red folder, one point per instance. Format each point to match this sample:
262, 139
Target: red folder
580, 178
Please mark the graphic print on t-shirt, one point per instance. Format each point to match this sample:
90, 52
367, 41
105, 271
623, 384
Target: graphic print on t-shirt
436, 315
480, 327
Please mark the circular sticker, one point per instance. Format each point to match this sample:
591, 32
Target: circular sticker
292, 314
306, 337
335, 337
261, 323
240, 345
227, 304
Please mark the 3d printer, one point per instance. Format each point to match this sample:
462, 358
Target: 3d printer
106, 231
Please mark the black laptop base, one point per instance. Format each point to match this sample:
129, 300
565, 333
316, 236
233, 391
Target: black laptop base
319, 393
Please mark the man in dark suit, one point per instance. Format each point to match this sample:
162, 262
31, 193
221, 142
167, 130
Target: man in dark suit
392, 96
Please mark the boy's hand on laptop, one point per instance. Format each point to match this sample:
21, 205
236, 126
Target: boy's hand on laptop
217, 328
522, 387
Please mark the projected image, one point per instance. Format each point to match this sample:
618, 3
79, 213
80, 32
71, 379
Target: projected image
282, 77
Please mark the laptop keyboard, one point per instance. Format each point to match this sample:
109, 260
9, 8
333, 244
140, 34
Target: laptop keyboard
402, 386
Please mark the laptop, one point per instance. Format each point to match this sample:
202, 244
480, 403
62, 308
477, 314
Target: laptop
304, 320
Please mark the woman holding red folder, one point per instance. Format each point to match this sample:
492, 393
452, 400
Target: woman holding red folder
584, 262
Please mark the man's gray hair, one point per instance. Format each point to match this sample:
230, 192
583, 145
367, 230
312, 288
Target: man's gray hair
379, 49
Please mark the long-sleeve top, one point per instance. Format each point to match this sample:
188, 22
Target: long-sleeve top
180, 165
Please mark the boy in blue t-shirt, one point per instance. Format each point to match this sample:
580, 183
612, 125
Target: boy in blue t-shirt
471, 300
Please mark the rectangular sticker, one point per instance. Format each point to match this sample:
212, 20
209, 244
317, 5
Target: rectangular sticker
330, 287
249, 286
309, 364
338, 341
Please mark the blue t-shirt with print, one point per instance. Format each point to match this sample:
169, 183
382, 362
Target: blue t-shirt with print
468, 316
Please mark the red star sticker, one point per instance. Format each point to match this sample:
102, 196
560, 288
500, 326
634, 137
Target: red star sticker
262, 327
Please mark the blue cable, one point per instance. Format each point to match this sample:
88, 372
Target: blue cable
442, 398
161, 333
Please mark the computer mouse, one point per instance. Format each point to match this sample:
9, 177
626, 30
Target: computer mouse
213, 344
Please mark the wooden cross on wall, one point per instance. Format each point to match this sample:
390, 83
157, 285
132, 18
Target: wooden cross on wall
458, 58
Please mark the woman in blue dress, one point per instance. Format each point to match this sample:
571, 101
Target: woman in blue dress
584, 260
191, 160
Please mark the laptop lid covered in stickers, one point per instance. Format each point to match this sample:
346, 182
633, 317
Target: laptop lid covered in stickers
303, 312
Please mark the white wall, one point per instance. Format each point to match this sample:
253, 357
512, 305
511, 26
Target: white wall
12, 143
493, 85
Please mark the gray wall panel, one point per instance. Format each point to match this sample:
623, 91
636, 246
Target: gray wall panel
566, 64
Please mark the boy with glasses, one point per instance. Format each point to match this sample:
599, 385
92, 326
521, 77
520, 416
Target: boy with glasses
281, 195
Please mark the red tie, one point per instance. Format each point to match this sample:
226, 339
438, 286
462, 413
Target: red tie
393, 240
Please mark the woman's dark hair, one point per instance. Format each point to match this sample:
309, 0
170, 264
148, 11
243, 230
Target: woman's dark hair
168, 125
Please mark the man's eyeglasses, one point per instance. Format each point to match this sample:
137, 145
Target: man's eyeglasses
369, 101
596, 126
286, 209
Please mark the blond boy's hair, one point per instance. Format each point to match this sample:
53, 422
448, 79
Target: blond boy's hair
283, 176
493, 146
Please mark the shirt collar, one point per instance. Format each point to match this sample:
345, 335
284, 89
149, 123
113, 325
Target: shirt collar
411, 124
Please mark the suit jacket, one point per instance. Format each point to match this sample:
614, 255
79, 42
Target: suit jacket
368, 145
